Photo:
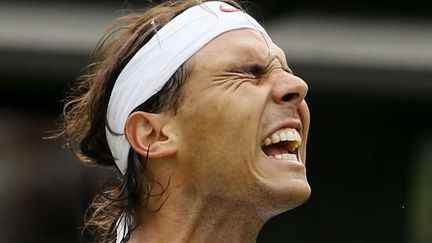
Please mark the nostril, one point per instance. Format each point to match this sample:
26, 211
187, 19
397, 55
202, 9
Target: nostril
289, 97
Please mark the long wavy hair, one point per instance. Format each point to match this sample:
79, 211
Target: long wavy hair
84, 116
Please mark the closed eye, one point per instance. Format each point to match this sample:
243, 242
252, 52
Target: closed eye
259, 70
255, 69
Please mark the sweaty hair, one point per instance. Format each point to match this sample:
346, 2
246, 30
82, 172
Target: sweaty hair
84, 115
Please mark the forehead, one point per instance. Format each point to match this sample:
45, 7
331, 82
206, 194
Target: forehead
236, 47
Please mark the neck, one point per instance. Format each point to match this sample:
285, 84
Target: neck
192, 219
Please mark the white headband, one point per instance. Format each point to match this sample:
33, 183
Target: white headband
154, 64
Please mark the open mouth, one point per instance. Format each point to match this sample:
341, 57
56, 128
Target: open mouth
282, 144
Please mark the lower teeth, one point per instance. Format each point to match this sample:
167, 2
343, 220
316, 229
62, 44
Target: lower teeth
286, 156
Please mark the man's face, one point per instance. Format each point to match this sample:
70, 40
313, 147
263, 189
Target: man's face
239, 93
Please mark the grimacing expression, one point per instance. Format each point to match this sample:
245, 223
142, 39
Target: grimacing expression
238, 102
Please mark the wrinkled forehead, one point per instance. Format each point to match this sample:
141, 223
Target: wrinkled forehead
237, 47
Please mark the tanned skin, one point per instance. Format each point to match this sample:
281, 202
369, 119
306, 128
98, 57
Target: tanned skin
218, 185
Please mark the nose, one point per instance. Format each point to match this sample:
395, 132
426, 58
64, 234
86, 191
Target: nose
289, 88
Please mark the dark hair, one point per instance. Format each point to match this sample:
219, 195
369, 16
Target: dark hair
84, 115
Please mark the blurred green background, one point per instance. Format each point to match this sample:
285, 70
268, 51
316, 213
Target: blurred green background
368, 65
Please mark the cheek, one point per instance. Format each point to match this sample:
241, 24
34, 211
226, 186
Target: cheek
211, 146
223, 115
220, 130
221, 123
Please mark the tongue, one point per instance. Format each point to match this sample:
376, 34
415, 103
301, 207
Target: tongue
275, 149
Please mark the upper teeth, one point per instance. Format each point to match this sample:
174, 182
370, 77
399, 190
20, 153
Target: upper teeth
287, 134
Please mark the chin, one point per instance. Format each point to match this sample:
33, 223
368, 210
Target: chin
293, 194
298, 194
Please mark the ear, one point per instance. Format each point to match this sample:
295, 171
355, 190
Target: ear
147, 137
